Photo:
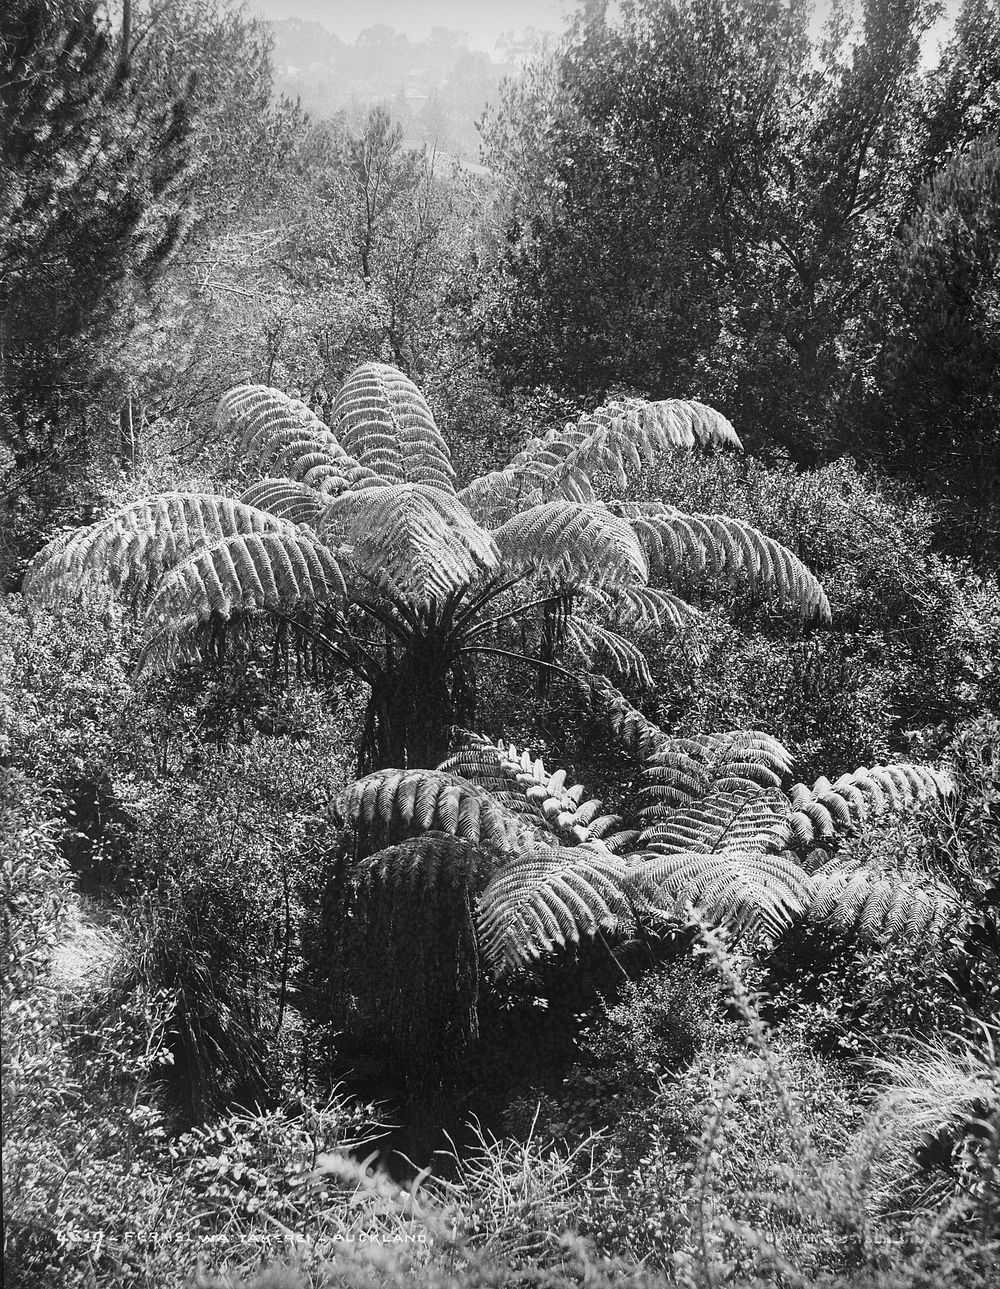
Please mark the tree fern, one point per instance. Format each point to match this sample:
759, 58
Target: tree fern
357, 531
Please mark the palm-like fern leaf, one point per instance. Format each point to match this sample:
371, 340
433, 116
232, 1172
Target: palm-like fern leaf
523, 783
134, 547
880, 905
641, 607
743, 821
627, 659
296, 502
419, 541
611, 440
679, 770
572, 542
278, 571
384, 421
679, 545
282, 435
547, 899
434, 859
746, 888
826, 809
432, 800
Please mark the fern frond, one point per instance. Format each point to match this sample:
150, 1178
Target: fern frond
572, 542
524, 784
296, 502
278, 571
638, 735
879, 905
384, 421
432, 860
419, 542
548, 899
418, 801
592, 640
826, 809
282, 435
723, 820
613, 440
679, 545
138, 543
685, 769
746, 888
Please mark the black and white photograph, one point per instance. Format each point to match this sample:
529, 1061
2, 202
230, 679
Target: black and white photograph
500, 644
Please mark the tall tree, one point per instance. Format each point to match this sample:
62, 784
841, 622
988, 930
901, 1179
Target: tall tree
721, 193
935, 411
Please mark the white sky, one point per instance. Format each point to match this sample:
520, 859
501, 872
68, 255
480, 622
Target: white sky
483, 20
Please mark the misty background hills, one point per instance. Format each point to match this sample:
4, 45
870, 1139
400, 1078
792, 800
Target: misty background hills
437, 87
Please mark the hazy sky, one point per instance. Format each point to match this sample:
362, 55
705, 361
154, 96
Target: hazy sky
484, 20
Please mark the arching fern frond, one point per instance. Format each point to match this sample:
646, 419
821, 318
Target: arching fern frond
679, 546
281, 435
384, 421
638, 735
523, 784
547, 899
296, 502
416, 801
571, 542
432, 860
613, 440
748, 889
879, 905
826, 809
683, 769
594, 642
133, 547
420, 542
278, 571
723, 820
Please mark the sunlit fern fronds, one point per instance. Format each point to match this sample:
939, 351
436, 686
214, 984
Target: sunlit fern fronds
640, 607
419, 542
828, 809
546, 899
523, 784
416, 801
384, 421
678, 546
612, 440
638, 735
296, 502
568, 542
880, 905
598, 644
281, 435
745, 821
277, 571
684, 769
748, 889
433, 859
136, 545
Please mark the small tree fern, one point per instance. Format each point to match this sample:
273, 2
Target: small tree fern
533, 865
359, 536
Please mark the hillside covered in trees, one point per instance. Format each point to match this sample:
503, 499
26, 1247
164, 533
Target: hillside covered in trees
500, 662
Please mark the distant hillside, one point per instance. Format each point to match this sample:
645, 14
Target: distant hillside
437, 87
